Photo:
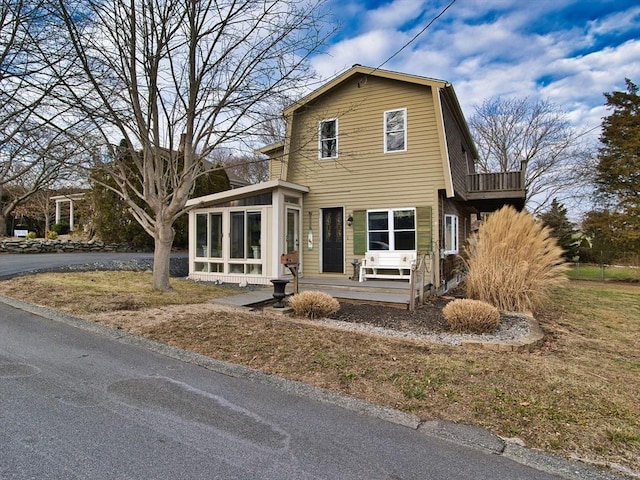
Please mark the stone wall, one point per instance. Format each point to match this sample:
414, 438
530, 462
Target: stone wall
58, 246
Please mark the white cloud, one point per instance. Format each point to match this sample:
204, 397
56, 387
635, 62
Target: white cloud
500, 47
616, 22
369, 49
393, 15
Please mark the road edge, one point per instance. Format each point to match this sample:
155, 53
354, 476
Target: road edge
460, 434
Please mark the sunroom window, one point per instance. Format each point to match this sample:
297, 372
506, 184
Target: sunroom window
391, 229
245, 234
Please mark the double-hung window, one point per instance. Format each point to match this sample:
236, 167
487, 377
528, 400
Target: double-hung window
391, 229
328, 139
395, 130
450, 234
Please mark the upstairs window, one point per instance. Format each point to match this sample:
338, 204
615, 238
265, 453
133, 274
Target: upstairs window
328, 135
395, 130
450, 235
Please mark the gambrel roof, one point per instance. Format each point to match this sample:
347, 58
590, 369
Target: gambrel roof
442, 91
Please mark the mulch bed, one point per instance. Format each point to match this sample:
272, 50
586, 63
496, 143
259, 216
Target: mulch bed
425, 319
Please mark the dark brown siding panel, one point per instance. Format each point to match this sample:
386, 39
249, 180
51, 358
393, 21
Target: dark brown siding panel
425, 228
459, 151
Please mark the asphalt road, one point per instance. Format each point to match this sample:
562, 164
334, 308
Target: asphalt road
80, 401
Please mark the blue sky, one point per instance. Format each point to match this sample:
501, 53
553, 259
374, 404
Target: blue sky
566, 51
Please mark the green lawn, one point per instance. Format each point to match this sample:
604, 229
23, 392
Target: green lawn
609, 272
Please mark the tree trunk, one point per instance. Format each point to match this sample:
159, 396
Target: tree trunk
3, 219
162, 257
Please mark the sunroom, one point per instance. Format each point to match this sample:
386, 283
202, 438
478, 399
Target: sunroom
239, 235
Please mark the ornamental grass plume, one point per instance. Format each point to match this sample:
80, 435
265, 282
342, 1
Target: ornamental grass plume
471, 316
513, 262
313, 304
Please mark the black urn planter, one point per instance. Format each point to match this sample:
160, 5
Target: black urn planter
278, 292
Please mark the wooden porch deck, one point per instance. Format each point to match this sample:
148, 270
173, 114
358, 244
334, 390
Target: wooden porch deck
394, 293
385, 292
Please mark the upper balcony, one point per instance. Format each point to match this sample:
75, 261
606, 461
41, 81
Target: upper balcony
501, 186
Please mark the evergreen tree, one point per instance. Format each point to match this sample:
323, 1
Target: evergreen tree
214, 181
113, 221
616, 223
562, 229
618, 171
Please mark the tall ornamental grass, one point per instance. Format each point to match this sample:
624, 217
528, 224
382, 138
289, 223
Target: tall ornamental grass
513, 262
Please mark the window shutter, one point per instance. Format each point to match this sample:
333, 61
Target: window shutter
425, 229
359, 232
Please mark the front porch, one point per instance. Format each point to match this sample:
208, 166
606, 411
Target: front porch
394, 293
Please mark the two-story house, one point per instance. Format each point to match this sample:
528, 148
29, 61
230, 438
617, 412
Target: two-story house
377, 168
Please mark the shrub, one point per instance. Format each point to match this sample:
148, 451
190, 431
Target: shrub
61, 228
471, 316
513, 262
31, 235
52, 235
313, 304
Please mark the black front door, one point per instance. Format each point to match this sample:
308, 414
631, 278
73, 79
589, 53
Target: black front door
332, 240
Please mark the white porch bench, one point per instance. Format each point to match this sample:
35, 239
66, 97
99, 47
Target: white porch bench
387, 265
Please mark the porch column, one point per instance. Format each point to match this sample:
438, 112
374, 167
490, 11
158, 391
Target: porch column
277, 234
70, 215
57, 211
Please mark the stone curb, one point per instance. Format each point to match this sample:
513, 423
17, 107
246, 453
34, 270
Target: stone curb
525, 344
463, 434
514, 449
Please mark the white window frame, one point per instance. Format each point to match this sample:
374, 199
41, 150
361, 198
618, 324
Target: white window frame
391, 228
320, 139
451, 228
386, 131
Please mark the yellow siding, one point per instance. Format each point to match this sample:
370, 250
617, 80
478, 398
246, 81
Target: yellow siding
363, 176
274, 168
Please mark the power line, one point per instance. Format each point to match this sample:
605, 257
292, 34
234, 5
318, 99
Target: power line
323, 81
414, 37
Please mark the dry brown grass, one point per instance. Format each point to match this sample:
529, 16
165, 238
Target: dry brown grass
471, 316
577, 395
85, 292
313, 304
513, 263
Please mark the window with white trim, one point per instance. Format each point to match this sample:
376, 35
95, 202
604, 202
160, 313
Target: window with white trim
450, 234
328, 139
391, 229
395, 130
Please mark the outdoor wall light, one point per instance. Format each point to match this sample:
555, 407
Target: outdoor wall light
349, 220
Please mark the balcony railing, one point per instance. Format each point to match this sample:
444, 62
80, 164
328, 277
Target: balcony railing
495, 182
499, 184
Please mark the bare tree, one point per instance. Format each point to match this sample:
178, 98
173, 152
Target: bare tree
36, 158
251, 168
177, 79
20, 34
29, 143
514, 132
